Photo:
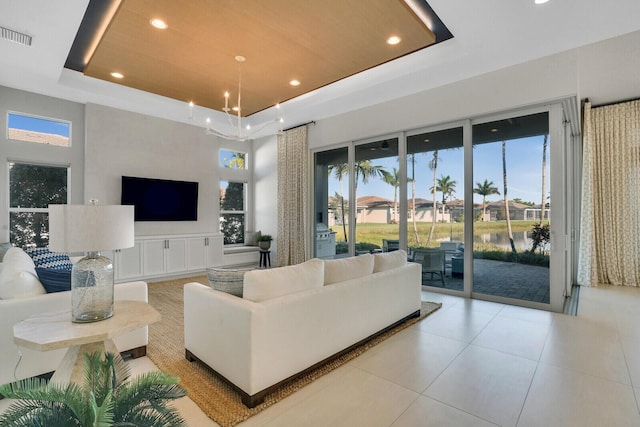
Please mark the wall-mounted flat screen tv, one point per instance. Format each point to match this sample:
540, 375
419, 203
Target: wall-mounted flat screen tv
160, 199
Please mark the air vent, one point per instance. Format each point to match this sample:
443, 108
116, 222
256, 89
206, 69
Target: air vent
14, 36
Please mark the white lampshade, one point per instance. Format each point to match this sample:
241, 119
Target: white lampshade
87, 228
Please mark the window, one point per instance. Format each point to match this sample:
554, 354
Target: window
31, 189
233, 159
21, 127
233, 211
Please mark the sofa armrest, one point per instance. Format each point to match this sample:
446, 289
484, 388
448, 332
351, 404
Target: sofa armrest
218, 331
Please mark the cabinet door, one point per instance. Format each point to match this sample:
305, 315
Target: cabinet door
176, 255
196, 248
215, 251
153, 256
128, 262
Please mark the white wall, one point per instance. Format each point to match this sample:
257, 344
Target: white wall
266, 189
45, 106
124, 143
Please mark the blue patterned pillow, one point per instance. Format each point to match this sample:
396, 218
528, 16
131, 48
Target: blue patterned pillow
54, 280
44, 258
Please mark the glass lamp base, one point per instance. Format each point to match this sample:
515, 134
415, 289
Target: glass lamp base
92, 289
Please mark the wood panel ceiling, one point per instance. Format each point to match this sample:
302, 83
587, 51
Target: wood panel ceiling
315, 42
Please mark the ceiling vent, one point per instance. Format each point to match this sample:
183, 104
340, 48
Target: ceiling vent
14, 36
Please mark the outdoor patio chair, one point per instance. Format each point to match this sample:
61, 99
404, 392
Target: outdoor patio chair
390, 245
450, 249
432, 261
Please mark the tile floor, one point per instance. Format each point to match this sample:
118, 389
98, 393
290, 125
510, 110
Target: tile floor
477, 363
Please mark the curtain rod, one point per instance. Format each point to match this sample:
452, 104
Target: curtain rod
300, 125
613, 103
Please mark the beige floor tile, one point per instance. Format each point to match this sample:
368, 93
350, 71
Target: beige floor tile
521, 338
586, 346
426, 412
412, 359
560, 397
356, 399
485, 383
631, 349
459, 323
532, 315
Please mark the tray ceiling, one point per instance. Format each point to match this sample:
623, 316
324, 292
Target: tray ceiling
316, 43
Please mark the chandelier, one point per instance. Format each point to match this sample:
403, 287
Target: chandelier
234, 115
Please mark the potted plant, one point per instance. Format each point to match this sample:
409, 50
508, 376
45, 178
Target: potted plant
265, 242
107, 398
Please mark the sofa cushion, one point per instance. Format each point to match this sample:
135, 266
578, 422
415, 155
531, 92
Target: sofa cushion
261, 285
19, 259
44, 258
19, 283
389, 260
339, 270
54, 280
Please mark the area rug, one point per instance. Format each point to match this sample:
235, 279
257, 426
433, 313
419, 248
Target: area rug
216, 399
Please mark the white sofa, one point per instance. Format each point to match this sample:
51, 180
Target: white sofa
18, 363
292, 318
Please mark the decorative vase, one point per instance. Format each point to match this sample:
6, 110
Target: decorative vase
264, 245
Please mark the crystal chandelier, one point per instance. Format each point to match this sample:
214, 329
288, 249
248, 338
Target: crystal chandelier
234, 115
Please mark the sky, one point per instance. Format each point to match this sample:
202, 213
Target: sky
524, 171
43, 125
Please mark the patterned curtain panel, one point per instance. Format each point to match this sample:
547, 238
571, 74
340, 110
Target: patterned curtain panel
292, 196
610, 221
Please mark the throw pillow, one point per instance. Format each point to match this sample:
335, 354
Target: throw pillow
18, 283
19, 259
251, 238
389, 260
54, 280
44, 258
261, 285
341, 269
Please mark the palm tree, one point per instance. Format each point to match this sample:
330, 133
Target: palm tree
506, 197
447, 187
341, 171
433, 165
485, 189
544, 178
413, 198
393, 179
237, 161
364, 170
107, 398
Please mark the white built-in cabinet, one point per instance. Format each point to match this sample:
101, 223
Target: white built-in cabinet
157, 256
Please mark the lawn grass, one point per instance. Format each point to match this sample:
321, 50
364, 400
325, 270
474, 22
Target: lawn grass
370, 236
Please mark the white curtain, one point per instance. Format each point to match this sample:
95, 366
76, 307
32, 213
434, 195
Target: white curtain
610, 218
293, 196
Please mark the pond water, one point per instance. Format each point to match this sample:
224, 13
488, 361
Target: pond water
501, 239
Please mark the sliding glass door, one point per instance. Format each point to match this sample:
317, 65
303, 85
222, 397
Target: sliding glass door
471, 202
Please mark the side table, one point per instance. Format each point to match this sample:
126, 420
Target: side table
265, 258
53, 331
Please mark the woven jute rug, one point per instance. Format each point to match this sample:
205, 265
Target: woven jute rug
217, 399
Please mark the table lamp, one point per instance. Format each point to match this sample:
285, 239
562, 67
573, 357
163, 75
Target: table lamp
90, 229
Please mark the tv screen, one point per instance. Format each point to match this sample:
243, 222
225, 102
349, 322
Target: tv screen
160, 199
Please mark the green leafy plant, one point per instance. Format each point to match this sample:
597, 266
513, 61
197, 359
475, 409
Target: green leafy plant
265, 238
108, 397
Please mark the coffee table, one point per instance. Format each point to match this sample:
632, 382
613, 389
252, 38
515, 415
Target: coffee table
52, 331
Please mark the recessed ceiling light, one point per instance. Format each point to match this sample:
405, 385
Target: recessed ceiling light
117, 75
494, 130
294, 82
159, 24
540, 1
393, 40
